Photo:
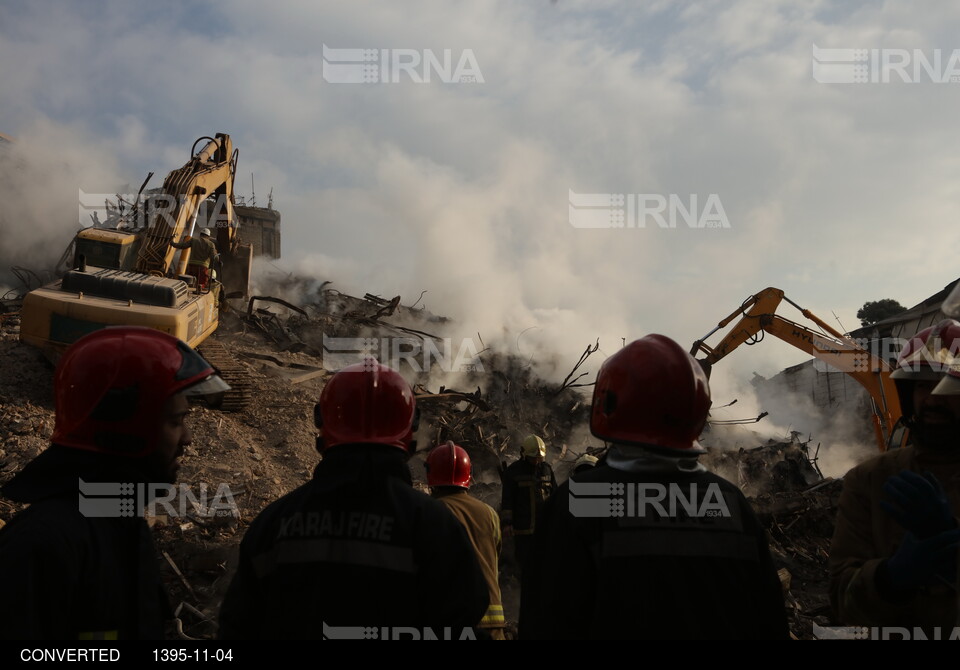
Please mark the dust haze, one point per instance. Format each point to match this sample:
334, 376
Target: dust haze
41, 174
844, 435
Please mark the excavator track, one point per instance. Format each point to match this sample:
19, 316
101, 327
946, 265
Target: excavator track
241, 384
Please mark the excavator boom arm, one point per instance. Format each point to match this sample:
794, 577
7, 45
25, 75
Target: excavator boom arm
209, 172
831, 347
870, 371
764, 302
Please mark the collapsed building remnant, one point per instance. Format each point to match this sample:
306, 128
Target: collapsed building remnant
268, 449
780, 467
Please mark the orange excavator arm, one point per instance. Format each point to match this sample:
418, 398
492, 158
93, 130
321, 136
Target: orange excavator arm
828, 345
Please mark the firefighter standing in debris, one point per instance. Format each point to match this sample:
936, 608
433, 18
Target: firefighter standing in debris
449, 474
357, 546
527, 483
685, 558
88, 570
893, 558
203, 253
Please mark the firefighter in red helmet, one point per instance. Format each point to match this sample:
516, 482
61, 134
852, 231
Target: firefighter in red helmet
449, 473
661, 547
356, 547
79, 566
893, 558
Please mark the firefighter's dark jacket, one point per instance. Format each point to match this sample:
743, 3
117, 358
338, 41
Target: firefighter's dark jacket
72, 576
356, 548
525, 488
651, 577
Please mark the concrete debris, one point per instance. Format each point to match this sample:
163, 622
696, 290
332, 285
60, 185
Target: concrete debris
268, 449
800, 526
20, 428
179, 574
295, 373
797, 506
784, 575
776, 466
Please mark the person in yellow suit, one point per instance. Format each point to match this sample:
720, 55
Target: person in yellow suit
449, 473
203, 252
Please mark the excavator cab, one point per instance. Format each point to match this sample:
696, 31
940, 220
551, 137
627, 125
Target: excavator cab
105, 248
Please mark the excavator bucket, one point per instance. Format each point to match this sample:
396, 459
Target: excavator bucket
236, 272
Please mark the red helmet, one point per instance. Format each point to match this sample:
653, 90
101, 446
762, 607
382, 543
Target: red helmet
651, 393
110, 388
932, 354
448, 465
366, 403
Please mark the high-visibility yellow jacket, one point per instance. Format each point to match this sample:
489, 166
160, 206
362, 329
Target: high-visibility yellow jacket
483, 528
202, 250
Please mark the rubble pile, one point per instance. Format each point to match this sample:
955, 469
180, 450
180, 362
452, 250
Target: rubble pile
501, 400
26, 400
268, 449
797, 506
799, 526
782, 467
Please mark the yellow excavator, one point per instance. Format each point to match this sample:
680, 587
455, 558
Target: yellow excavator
828, 345
129, 277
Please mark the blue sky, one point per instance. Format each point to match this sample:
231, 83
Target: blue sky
836, 193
